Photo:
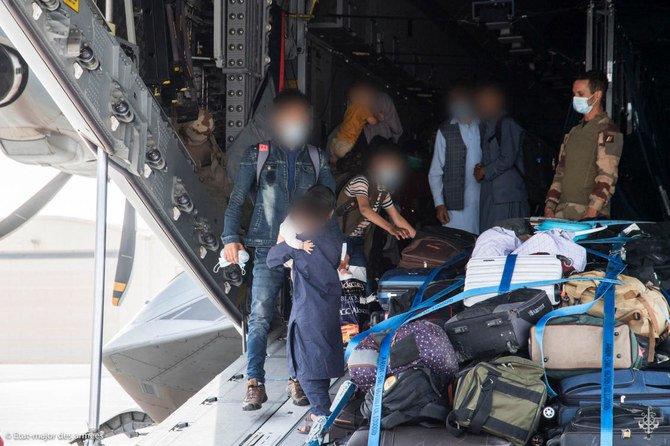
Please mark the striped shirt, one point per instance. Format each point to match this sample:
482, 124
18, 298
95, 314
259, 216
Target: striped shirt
359, 186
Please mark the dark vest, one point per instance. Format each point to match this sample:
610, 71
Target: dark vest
347, 211
453, 178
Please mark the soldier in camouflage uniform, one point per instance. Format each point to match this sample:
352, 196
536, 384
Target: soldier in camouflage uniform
588, 163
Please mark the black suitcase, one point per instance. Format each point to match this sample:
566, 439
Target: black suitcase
497, 325
633, 426
420, 436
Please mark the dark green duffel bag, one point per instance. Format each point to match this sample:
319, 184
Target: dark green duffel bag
503, 397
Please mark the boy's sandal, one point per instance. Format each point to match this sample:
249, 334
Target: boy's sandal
307, 426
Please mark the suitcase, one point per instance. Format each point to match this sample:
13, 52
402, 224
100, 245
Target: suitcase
420, 436
400, 285
633, 426
638, 387
573, 345
485, 272
498, 325
435, 245
397, 287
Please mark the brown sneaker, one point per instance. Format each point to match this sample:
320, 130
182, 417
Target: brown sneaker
295, 392
255, 396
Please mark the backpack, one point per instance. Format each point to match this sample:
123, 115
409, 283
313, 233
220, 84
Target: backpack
264, 153
410, 397
538, 166
643, 308
504, 397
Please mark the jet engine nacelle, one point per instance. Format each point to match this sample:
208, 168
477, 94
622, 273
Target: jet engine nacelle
32, 128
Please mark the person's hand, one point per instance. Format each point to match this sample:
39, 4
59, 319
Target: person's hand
412, 231
442, 214
230, 251
308, 246
590, 213
479, 173
372, 120
548, 213
398, 232
344, 264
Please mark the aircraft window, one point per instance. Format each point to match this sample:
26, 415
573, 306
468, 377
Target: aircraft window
202, 310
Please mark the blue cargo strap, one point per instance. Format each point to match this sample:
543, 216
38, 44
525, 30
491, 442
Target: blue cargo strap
666, 294
418, 297
429, 304
597, 253
508, 272
606, 241
396, 321
573, 226
605, 289
614, 222
392, 327
607, 377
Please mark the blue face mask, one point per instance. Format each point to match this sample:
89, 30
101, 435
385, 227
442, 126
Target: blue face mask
461, 110
581, 105
293, 135
389, 179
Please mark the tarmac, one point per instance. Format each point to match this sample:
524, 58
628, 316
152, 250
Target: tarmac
48, 404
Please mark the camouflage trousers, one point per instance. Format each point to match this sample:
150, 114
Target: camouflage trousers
570, 211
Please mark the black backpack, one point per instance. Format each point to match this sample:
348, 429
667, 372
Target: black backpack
538, 167
414, 398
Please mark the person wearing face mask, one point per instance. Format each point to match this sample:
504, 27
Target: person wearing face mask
272, 174
503, 192
588, 162
364, 197
457, 151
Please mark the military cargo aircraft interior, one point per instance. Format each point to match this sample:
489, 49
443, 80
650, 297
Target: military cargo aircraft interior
188, 106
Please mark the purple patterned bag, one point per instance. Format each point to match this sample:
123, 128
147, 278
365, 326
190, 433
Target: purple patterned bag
418, 344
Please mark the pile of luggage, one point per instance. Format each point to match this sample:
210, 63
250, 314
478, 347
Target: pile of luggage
501, 343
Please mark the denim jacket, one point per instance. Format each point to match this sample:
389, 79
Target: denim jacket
271, 198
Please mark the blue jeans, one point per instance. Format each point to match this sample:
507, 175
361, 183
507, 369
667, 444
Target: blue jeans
317, 394
264, 290
356, 251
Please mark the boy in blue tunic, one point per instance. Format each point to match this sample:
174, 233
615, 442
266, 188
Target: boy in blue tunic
314, 342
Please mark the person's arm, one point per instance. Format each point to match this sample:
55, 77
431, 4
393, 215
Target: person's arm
279, 254
288, 235
436, 171
246, 177
376, 219
556, 188
510, 147
400, 221
393, 121
325, 175
610, 147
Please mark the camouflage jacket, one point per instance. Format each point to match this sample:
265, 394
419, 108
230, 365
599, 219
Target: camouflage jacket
588, 166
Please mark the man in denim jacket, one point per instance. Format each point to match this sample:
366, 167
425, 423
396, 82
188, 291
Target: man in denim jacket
288, 171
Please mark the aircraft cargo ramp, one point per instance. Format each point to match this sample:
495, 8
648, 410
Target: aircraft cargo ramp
214, 415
